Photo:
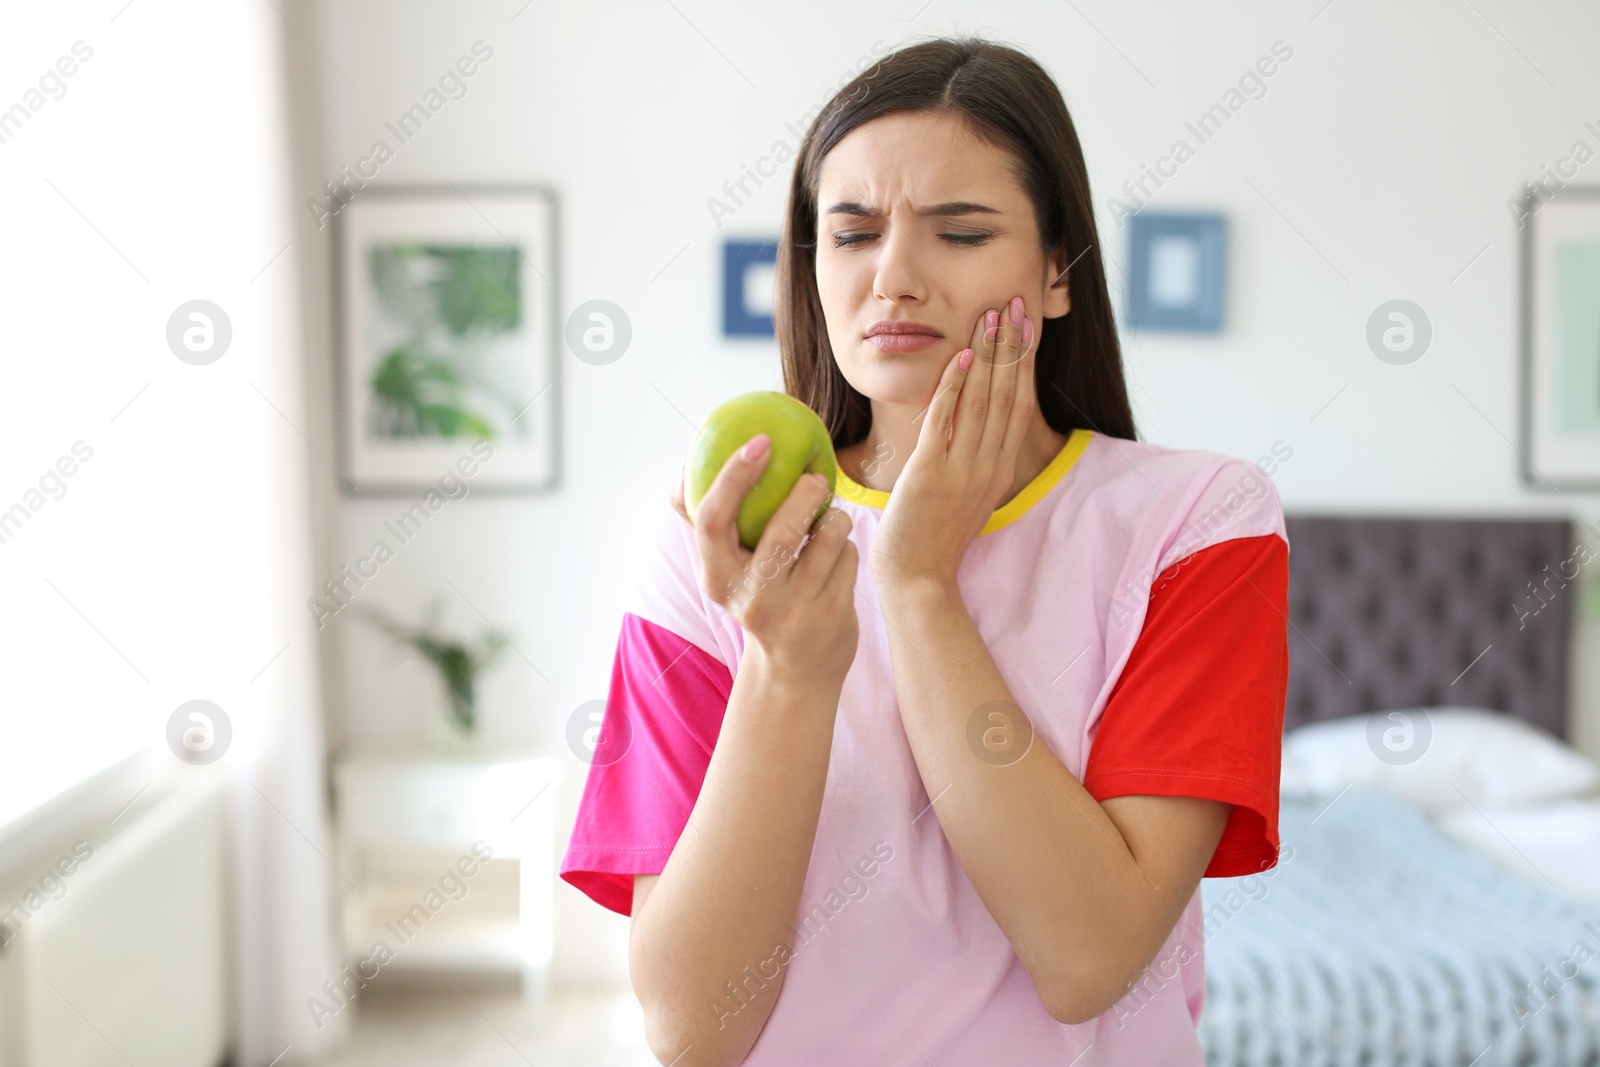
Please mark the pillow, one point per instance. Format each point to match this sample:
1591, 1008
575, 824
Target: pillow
1467, 754
1556, 844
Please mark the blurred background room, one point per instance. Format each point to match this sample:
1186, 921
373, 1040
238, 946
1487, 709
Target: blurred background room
280, 690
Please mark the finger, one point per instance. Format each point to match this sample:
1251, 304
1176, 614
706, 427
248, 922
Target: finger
841, 581
779, 546
1003, 387
821, 553
1027, 396
1013, 314
675, 494
846, 568
716, 527
940, 416
973, 409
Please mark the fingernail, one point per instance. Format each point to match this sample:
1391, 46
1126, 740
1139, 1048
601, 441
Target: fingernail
992, 319
756, 448
965, 359
1027, 332
1016, 309
820, 478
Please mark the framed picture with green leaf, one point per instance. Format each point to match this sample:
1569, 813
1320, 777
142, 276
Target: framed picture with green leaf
1561, 339
448, 338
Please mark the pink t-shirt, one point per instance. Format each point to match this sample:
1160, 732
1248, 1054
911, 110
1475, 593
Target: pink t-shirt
1131, 592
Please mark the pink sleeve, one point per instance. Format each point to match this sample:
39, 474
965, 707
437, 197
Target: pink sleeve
663, 714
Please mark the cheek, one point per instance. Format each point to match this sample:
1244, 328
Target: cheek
838, 290
839, 276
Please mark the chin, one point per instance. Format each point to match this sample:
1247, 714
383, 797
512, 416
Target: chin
897, 378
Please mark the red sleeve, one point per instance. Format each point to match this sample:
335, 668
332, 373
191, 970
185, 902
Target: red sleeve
647, 760
1198, 708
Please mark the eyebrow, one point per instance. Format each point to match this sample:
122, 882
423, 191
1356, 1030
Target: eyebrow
954, 207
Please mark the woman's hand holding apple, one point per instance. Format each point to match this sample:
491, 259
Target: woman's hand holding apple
795, 602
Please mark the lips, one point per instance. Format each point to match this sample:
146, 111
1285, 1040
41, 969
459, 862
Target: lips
900, 336
904, 329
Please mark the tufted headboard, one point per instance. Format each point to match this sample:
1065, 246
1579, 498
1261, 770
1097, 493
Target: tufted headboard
1402, 612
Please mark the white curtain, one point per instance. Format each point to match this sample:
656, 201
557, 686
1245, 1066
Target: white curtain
288, 883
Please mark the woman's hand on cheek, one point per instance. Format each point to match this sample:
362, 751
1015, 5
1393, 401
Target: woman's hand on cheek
966, 454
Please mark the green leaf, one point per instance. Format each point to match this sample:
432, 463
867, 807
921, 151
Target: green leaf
476, 287
417, 393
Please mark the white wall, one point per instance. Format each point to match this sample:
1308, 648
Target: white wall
1377, 165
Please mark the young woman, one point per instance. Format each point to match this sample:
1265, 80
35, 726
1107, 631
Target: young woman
933, 775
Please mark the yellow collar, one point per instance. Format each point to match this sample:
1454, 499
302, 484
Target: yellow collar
1013, 509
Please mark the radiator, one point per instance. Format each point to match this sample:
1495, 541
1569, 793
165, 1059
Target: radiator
124, 959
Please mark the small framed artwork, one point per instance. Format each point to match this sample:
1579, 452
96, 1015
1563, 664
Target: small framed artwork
1177, 265
748, 271
446, 304
1561, 340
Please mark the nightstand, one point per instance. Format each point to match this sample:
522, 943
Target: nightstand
453, 865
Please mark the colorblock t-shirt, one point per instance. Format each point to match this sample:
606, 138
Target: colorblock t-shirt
1134, 598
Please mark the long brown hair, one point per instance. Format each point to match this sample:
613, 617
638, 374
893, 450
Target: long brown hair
1009, 102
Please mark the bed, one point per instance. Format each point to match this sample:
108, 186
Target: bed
1403, 926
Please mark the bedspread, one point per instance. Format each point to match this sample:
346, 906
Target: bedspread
1378, 940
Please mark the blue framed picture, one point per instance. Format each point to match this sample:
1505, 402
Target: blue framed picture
1177, 265
748, 270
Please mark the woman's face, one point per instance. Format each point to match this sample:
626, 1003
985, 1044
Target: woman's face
882, 254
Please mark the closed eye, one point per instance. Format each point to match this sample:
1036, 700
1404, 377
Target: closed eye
965, 240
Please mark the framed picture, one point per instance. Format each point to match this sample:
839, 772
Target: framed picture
1561, 340
748, 272
447, 331
1176, 270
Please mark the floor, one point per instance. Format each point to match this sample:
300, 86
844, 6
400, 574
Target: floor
472, 1027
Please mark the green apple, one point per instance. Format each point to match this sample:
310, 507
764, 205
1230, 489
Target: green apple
800, 445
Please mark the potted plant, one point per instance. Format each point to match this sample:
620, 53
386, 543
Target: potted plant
458, 662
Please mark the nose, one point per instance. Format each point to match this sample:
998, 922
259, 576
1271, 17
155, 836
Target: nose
901, 267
